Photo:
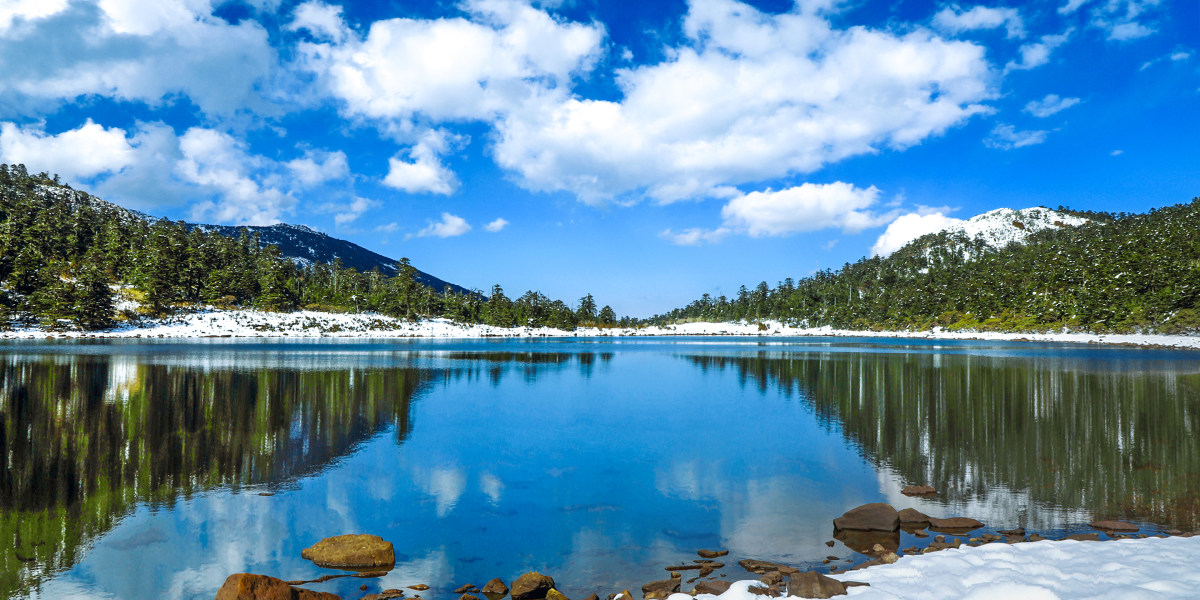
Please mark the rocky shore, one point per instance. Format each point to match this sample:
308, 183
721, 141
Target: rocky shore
872, 531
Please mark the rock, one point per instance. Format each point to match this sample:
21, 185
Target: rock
715, 588
247, 586
772, 578
468, 597
660, 589
1015, 539
921, 534
495, 589
711, 553
1007, 532
955, 524
1115, 526
889, 558
811, 584
830, 543
354, 550
912, 516
531, 586
674, 568
554, 594
1084, 537
761, 567
1172, 532
592, 596
876, 516
384, 595
1037, 537
420, 587
362, 588
918, 490
864, 542
465, 588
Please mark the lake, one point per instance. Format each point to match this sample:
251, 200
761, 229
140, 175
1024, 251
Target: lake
155, 469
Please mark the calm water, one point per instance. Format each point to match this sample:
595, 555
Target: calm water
155, 470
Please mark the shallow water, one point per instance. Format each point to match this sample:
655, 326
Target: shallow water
156, 469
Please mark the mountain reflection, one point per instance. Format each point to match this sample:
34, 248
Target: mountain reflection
1069, 434
88, 437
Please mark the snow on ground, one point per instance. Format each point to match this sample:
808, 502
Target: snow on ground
252, 323
999, 228
1129, 569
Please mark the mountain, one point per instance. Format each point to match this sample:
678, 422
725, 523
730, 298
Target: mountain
1006, 270
306, 246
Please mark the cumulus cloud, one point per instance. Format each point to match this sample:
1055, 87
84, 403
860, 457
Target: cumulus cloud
218, 162
953, 20
28, 10
449, 226
748, 97
424, 172
1036, 54
496, 225
909, 227
1050, 105
135, 50
1122, 20
347, 212
317, 167
76, 154
320, 20
1007, 137
807, 207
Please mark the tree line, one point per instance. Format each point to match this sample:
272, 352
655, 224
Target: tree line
1118, 273
68, 259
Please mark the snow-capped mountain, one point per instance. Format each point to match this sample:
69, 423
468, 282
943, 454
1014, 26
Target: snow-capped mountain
1003, 226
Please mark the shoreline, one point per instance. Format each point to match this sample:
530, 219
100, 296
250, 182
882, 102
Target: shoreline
209, 323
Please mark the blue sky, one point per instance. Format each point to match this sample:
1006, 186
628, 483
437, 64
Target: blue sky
646, 152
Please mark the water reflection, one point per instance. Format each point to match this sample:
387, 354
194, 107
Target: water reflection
87, 439
1066, 436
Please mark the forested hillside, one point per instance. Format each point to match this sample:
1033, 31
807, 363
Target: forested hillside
69, 260
1117, 273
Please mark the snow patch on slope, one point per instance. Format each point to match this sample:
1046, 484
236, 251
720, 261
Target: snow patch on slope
996, 229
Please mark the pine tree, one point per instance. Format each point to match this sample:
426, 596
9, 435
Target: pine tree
94, 306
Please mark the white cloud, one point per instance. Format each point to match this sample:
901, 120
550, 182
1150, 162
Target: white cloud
1006, 137
1036, 54
909, 227
28, 10
446, 69
695, 236
1122, 20
75, 154
424, 173
953, 20
1050, 105
1116, 153
449, 226
150, 51
348, 212
496, 225
218, 162
389, 228
317, 167
807, 207
1071, 6
322, 21
749, 97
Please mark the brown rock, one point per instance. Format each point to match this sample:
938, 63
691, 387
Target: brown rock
384, 595
830, 543
912, 516
495, 589
876, 516
468, 597
715, 588
420, 587
592, 596
918, 490
247, 586
554, 594
865, 541
684, 567
362, 588
772, 578
1115, 526
660, 589
354, 550
465, 588
811, 584
1007, 532
531, 586
711, 553
1084, 537
955, 524
1037, 537
761, 567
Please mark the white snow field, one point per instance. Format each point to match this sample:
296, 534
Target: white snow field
1129, 569
253, 323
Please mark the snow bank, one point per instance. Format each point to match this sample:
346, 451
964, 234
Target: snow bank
1129, 569
253, 323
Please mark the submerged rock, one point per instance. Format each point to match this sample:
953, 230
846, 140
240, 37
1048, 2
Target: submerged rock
954, 524
1084, 537
531, 586
1115, 526
711, 553
353, 551
918, 490
876, 516
247, 586
811, 584
864, 542
384, 595
913, 517
761, 567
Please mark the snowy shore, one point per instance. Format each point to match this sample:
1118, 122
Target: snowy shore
252, 323
1129, 569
